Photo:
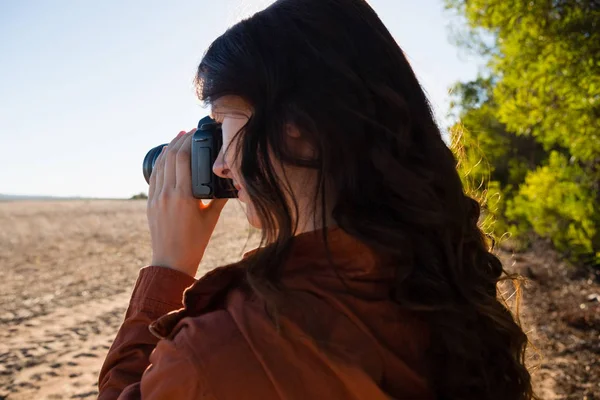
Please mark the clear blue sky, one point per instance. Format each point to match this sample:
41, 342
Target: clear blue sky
88, 87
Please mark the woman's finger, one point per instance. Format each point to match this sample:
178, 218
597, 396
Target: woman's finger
170, 172
157, 172
183, 165
153, 178
215, 206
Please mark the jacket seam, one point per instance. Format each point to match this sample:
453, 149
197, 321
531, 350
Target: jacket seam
184, 346
255, 354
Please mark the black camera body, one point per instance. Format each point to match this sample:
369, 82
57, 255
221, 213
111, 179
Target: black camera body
206, 144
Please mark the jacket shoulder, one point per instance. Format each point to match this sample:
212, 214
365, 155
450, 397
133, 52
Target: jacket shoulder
224, 356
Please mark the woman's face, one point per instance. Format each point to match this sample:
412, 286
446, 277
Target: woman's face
232, 112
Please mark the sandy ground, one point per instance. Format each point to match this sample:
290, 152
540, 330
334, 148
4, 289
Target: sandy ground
67, 269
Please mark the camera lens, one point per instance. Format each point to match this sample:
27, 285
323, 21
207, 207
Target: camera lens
150, 160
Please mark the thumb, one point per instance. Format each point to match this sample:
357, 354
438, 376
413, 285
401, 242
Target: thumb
215, 206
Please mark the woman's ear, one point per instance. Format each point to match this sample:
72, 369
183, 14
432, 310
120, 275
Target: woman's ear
298, 143
293, 131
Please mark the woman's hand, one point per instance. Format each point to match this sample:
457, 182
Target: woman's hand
180, 225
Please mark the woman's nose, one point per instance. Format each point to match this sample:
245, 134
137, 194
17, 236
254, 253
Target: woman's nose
220, 168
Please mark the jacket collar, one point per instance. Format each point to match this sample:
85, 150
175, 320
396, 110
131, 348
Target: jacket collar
351, 259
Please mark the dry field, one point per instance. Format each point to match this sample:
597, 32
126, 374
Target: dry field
67, 269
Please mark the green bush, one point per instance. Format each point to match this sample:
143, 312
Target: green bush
139, 196
529, 137
555, 201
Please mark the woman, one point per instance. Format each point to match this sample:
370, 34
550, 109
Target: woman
373, 280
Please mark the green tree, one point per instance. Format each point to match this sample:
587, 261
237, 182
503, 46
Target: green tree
139, 196
532, 126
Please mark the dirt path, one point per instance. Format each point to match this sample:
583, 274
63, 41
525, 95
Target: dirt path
561, 315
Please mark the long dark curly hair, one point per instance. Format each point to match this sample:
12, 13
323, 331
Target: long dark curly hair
331, 68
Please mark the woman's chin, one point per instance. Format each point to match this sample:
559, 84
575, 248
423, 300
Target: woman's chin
252, 216
254, 223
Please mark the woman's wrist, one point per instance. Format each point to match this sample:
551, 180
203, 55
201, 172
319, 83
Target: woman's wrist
188, 270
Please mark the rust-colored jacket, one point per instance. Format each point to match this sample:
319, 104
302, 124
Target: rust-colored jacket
340, 338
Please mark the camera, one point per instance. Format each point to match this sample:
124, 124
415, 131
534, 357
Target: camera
206, 144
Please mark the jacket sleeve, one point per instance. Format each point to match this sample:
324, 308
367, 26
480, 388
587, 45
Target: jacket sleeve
157, 291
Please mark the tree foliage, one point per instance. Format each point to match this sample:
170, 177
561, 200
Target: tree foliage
531, 137
139, 196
